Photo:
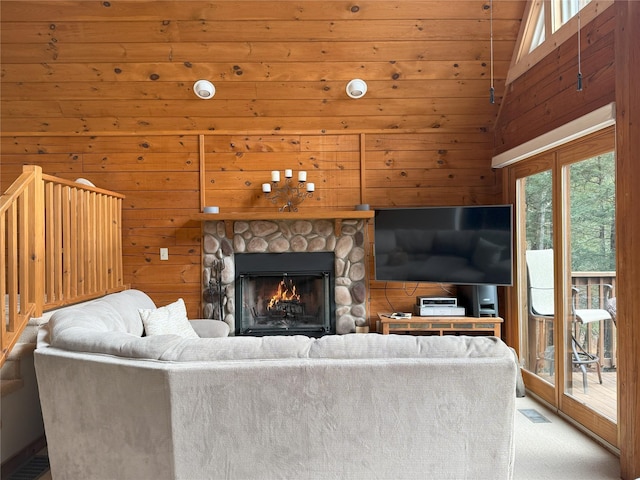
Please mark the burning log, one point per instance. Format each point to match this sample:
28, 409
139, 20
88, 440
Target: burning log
286, 301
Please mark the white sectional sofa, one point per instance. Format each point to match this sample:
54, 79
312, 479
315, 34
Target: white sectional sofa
120, 405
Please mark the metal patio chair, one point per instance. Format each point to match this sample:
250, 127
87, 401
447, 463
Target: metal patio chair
541, 308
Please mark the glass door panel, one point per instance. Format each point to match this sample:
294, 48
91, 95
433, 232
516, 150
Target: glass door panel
537, 320
590, 241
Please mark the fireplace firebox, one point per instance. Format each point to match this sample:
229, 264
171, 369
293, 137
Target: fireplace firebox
285, 293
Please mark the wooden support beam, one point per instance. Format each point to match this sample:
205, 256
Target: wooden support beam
627, 65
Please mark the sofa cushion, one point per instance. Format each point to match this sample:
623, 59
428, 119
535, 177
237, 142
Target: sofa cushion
71, 325
168, 320
97, 315
368, 346
238, 348
127, 304
208, 328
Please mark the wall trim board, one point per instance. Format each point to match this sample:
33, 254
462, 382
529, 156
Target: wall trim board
580, 127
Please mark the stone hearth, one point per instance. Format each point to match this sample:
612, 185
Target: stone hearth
278, 236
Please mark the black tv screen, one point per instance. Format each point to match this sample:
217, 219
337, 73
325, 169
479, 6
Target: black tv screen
463, 245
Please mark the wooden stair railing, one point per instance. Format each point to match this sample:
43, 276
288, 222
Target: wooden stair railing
61, 244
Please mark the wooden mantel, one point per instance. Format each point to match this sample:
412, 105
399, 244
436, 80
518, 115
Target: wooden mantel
336, 215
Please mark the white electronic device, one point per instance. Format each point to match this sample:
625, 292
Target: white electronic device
437, 301
435, 311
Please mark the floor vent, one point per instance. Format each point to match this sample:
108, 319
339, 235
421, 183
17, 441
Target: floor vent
533, 415
32, 469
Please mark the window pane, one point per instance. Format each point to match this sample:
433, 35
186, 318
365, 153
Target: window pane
564, 10
539, 322
591, 339
538, 33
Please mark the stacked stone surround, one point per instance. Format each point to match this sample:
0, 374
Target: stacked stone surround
279, 236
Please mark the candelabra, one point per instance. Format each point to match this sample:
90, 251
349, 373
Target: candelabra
288, 194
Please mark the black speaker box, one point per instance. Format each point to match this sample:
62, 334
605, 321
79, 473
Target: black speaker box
479, 300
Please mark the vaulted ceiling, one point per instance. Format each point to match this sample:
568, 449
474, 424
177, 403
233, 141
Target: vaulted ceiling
116, 66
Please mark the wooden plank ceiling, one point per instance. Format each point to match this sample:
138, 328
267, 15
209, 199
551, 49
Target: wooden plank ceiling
104, 67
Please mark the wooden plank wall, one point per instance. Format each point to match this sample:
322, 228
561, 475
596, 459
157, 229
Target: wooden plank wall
546, 97
103, 90
160, 176
94, 67
237, 165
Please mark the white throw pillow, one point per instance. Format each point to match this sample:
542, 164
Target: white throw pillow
169, 320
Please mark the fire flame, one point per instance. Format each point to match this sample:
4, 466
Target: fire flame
285, 293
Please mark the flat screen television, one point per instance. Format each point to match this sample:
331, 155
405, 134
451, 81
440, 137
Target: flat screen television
461, 245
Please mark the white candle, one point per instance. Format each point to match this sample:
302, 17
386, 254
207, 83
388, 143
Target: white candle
288, 173
275, 176
311, 187
302, 176
266, 188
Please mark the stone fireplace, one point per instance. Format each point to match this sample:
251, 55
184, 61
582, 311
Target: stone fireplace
347, 307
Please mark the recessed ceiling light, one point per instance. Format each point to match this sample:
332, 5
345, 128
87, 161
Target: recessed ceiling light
356, 88
204, 89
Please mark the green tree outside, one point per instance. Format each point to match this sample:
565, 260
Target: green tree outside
592, 202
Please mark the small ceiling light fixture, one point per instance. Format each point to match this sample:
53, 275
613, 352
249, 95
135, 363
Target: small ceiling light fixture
204, 89
356, 88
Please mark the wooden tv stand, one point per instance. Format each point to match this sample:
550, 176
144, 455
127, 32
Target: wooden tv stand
441, 325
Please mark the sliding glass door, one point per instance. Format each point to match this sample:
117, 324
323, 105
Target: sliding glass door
565, 290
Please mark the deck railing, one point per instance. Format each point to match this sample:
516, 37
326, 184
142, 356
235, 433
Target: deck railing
591, 287
601, 337
62, 244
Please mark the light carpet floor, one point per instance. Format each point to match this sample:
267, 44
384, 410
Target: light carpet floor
557, 450
550, 451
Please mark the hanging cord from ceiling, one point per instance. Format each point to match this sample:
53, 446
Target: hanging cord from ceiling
492, 90
579, 88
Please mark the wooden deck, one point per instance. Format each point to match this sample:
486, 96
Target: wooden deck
600, 398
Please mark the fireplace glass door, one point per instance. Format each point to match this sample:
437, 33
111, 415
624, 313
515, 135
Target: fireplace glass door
274, 304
